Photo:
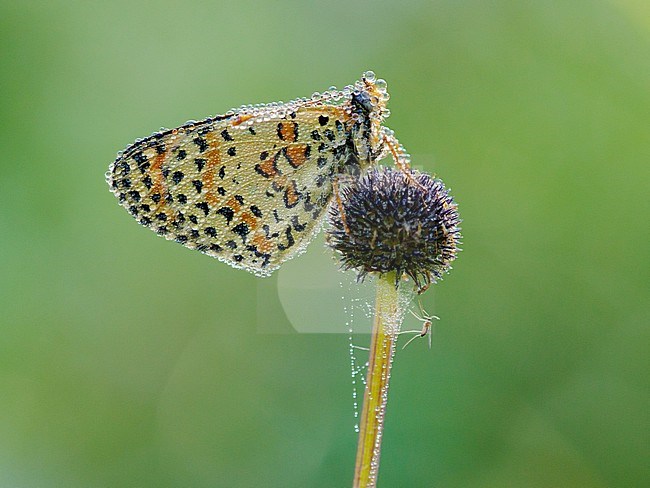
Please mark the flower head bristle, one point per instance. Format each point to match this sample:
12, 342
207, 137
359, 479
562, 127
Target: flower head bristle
390, 220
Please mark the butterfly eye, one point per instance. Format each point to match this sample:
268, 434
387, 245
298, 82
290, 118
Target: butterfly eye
362, 101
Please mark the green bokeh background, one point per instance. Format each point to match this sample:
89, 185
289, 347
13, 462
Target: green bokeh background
129, 361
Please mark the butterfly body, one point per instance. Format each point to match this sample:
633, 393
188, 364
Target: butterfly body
250, 187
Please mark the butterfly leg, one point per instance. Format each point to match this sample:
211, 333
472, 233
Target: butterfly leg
397, 151
339, 203
401, 158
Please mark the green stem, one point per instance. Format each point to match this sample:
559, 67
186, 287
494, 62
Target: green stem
388, 317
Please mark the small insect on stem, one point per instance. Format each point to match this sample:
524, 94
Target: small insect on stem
426, 320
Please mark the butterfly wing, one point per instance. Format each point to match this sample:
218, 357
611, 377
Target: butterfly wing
247, 189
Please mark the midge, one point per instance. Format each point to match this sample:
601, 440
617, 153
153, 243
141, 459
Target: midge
250, 187
427, 325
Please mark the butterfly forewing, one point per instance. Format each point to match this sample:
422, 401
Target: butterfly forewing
250, 192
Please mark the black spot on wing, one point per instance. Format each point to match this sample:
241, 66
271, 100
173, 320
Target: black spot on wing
255, 210
139, 157
226, 135
203, 206
241, 230
177, 177
290, 240
297, 225
201, 143
227, 212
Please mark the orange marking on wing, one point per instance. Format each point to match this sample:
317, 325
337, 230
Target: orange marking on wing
156, 171
262, 243
289, 131
249, 219
291, 194
268, 167
158, 180
213, 161
233, 204
296, 154
279, 183
240, 119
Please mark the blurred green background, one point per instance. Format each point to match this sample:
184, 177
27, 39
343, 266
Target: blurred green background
129, 361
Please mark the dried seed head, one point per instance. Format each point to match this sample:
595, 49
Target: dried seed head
388, 220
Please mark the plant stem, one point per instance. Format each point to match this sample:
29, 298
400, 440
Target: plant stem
385, 329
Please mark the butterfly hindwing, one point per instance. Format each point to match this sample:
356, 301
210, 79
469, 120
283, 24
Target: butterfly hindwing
250, 192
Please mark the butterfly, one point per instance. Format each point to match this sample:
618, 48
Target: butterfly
250, 187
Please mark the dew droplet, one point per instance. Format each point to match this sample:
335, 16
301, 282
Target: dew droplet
369, 75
